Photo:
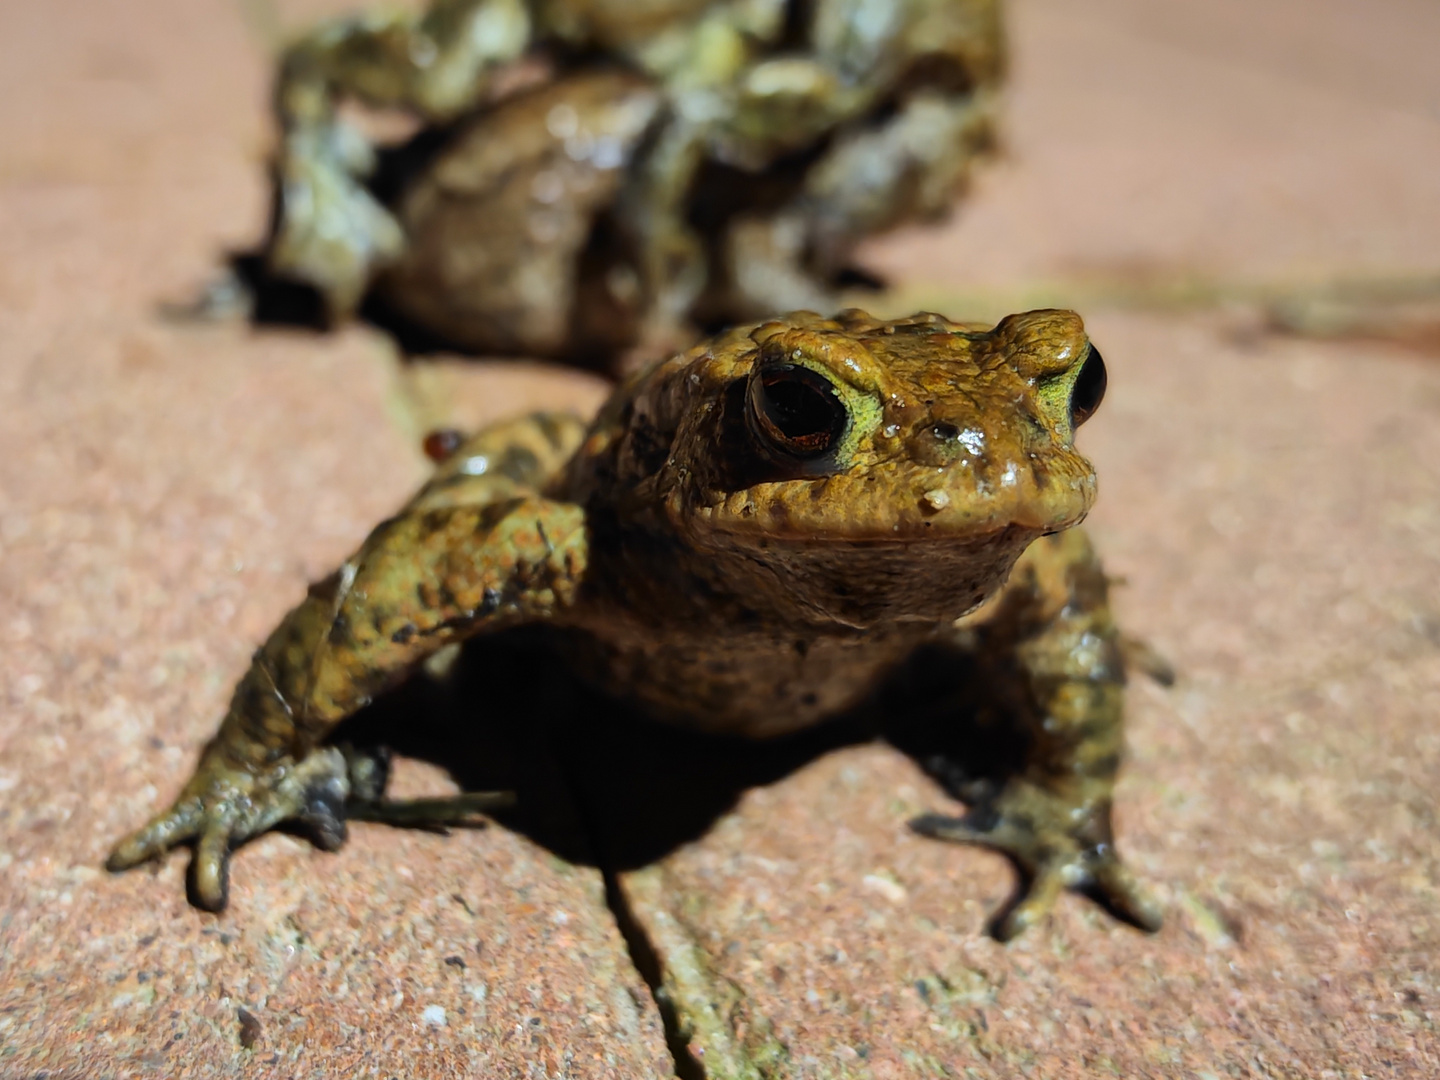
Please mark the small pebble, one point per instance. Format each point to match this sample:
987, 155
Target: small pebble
250, 1027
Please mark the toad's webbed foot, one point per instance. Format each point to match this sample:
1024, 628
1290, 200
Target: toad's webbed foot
226, 297
1058, 844
331, 232
222, 807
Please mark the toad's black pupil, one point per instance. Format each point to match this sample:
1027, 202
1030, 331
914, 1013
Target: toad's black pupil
1089, 388
800, 407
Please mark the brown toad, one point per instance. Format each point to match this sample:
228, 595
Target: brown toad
754, 536
685, 161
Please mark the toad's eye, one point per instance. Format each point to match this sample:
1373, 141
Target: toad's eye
796, 411
1089, 388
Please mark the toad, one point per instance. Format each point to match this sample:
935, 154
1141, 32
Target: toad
589, 177
754, 536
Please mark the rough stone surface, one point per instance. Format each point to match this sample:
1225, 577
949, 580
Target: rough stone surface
1274, 505
165, 494
1250, 140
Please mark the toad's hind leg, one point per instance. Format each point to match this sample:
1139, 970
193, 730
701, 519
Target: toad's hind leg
1046, 655
329, 230
476, 549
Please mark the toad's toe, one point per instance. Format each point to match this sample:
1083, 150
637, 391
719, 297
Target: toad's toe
1123, 893
180, 823
210, 868
1050, 861
1036, 902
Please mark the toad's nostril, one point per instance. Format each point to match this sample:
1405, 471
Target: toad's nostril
945, 432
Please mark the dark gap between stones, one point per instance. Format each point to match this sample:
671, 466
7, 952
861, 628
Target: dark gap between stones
647, 964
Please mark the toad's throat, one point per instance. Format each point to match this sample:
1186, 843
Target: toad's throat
759, 642
756, 686
661, 589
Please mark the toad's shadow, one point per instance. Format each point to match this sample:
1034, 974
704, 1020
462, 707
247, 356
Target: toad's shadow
599, 785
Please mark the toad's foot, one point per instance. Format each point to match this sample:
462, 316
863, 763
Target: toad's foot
331, 231
227, 297
1057, 845
221, 807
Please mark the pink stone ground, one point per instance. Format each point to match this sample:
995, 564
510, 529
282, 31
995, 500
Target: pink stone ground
1273, 503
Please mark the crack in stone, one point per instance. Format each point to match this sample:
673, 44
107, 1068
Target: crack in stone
712, 1012
647, 964
638, 946
694, 1004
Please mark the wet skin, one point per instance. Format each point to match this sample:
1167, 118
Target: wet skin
758, 535
700, 160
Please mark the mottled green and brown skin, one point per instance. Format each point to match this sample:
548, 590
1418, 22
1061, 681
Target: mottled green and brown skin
754, 536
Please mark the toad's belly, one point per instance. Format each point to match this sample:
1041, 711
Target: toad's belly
754, 685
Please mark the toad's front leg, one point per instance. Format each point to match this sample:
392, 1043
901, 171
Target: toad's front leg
1050, 655
443, 570
261, 768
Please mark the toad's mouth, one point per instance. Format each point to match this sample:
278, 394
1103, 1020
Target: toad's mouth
932, 516
900, 501
905, 541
